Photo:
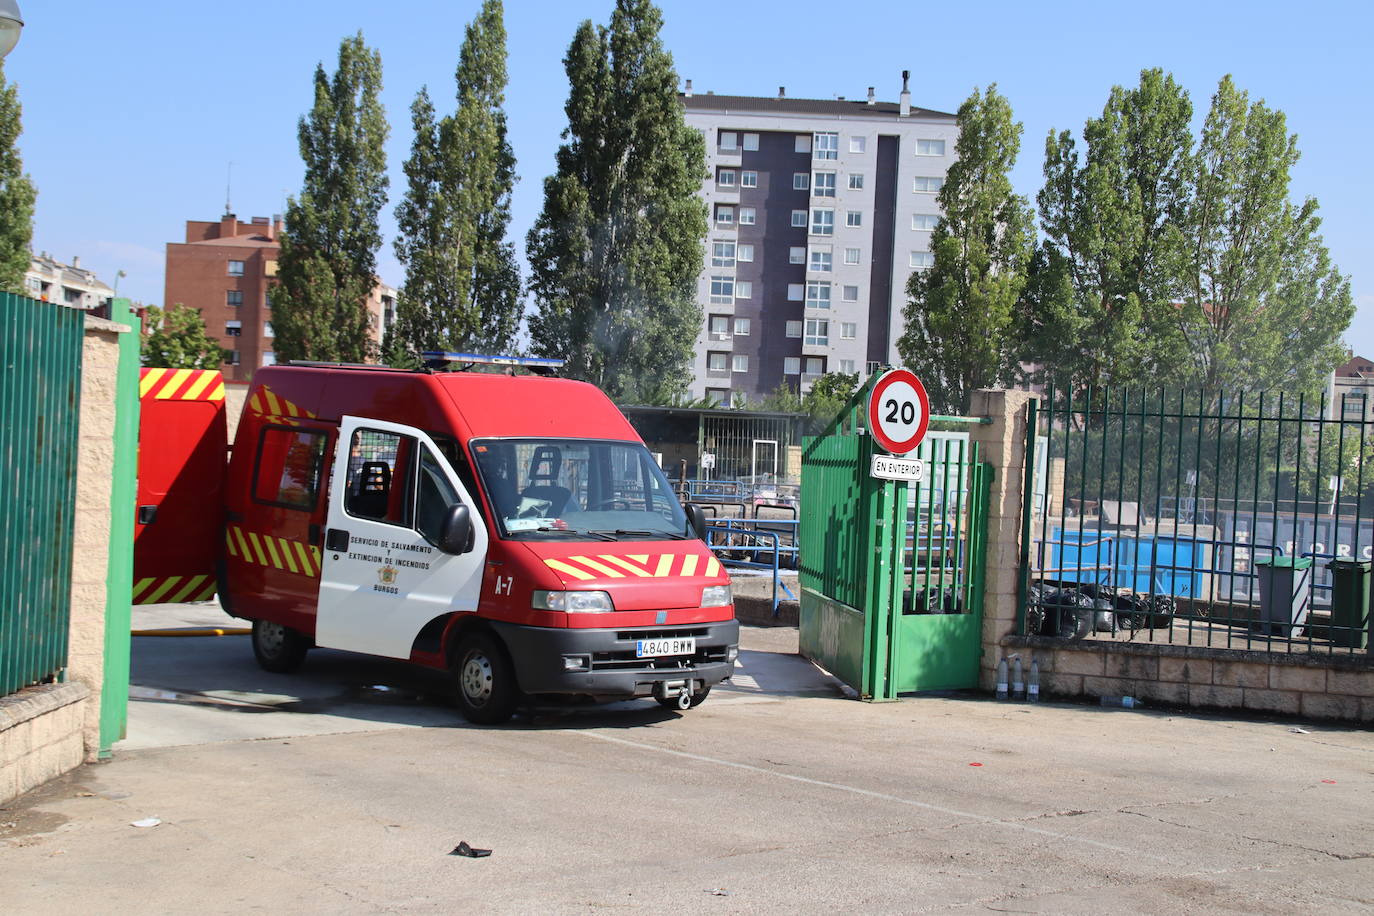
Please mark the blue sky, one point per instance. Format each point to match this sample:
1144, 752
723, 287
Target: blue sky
133, 111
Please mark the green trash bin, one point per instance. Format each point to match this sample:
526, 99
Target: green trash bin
1350, 602
1285, 585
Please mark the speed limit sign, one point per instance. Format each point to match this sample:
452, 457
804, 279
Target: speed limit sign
898, 411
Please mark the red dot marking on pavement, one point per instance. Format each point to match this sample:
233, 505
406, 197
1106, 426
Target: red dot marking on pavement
975, 764
1329, 782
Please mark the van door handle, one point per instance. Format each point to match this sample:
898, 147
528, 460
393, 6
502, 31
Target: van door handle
336, 539
147, 515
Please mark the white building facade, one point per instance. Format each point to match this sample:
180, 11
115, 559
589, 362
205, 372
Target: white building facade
819, 213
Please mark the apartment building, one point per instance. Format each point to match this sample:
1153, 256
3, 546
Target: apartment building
71, 284
820, 210
225, 270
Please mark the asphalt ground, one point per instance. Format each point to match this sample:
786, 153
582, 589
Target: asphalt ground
344, 787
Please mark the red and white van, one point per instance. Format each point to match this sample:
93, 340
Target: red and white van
512, 529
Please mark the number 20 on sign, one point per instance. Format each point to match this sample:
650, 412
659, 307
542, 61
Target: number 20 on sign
898, 411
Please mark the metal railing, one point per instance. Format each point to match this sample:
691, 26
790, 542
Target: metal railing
746, 544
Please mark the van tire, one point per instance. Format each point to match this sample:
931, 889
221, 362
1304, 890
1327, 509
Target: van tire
697, 699
484, 680
278, 648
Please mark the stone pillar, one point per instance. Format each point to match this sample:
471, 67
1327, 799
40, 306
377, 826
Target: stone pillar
1003, 445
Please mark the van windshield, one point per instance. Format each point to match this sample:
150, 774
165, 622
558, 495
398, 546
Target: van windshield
577, 489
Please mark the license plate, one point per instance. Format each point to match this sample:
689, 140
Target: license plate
654, 648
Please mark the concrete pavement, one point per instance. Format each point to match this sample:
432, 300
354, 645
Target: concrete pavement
309, 793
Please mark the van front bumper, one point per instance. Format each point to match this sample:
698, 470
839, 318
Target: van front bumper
610, 666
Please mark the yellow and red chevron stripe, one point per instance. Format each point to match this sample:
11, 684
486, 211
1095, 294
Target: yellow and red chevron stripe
171, 589
181, 385
641, 565
277, 409
269, 550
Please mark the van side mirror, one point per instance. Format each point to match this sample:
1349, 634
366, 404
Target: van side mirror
457, 535
696, 519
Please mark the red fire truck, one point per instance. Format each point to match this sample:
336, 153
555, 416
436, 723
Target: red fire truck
510, 528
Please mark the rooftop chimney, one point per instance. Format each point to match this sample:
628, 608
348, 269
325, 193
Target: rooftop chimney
274, 229
76, 262
871, 99
906, 94
688, 91
228, 226
782, 92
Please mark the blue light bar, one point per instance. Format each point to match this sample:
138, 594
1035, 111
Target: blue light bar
441, 356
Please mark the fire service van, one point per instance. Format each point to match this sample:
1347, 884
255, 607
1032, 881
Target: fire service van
510, 528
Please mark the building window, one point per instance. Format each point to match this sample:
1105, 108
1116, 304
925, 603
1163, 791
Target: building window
720, 395
718, 364
740, 364
850, 294
814, 367
821, 261
854, 218
741, 327
827, 146
847, 366
722, 254
824, 185
799, 219
803, 143
930, 147
233, 297
818, 294
926, 184
267, 329
817, 332
235, 268
233, 328
796, 292
794, 328
922, 259
749, 179
269, 358
720, 326
791, 365
722, 290
746, 216
801, 181
851, 255
729, 140
751, 141
856, 181
924, 221
232, 357
745, 252
796, 255
849, 330
726, 178
858, 144
822, 222
725, 216
744, 289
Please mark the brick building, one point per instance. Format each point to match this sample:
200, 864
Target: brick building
225, 269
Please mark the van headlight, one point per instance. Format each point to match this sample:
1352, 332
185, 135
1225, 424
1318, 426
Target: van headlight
574, 602
716, 596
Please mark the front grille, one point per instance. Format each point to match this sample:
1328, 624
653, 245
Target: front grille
662, 634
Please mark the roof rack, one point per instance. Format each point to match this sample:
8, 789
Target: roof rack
440, 360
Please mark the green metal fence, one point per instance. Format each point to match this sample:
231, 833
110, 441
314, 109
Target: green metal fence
1222, 519
40, 394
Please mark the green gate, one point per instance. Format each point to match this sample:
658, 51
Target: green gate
892, 572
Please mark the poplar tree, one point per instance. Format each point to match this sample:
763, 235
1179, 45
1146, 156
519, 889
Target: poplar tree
462, 288
959, 317
615, 253
17, 194
328, 261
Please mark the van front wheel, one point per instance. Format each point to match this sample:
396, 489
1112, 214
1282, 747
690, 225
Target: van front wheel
278, 648
485, 678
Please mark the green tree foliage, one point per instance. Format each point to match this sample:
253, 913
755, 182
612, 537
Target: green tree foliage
17, 194
1099, 294
1262, 304
328, 261
176, 338
614, 255
959, 315
782, 399
827, 398
462, 288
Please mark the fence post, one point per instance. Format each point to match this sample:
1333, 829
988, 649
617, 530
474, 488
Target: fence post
1003, 446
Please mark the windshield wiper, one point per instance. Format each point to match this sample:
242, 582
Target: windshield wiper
665, 535
600, 535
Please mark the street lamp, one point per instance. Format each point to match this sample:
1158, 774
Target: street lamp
10, 24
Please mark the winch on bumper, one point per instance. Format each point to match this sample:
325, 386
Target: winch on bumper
622, 661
